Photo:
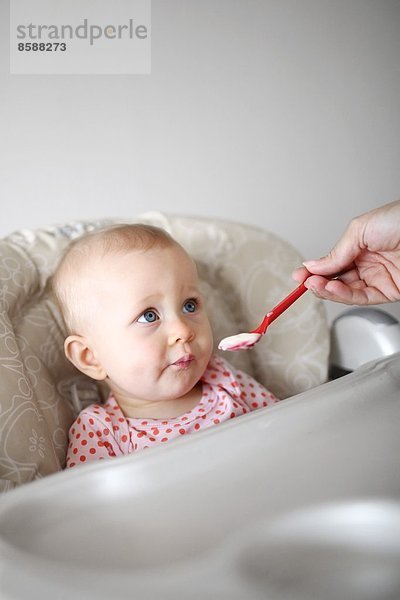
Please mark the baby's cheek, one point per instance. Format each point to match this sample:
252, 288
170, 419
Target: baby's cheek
208, 333
208, 350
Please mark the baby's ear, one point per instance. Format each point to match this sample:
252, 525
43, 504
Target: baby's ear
77, 349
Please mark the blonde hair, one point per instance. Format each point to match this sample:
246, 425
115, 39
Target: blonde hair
95, 245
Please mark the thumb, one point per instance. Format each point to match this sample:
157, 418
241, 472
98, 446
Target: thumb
340, 258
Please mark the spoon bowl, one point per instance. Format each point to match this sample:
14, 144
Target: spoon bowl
245, 341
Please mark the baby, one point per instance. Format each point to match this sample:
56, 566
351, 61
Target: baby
135, 317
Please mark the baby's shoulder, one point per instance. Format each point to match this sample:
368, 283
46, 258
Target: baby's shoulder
108, 412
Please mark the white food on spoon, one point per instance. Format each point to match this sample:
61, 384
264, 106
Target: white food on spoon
241, 341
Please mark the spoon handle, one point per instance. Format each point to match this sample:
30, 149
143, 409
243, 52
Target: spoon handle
280, 308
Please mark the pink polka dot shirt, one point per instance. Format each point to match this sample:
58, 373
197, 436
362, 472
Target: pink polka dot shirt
102, 431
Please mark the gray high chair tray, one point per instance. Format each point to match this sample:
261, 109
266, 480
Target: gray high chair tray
295, 502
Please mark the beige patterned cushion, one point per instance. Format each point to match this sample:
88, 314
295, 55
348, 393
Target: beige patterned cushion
244, 271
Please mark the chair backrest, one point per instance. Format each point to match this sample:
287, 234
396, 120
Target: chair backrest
244, 271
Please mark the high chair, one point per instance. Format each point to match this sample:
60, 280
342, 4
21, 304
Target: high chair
243, 270
296, 501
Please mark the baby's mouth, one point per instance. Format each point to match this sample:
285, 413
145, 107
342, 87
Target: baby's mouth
184, 361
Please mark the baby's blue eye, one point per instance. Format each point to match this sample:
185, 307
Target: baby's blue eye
149, 316
190, 306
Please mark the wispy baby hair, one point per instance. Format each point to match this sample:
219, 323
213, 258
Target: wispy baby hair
78, 259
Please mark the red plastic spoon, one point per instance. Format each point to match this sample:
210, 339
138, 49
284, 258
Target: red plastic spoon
244, 341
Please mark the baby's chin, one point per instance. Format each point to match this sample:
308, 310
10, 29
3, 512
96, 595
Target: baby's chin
173, 381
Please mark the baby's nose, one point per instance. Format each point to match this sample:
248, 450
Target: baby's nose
180, 332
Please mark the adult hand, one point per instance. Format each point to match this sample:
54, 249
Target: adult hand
367, 258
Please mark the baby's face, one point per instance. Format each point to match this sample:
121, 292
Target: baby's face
149, 329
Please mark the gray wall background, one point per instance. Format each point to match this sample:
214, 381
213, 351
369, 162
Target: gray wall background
278, 113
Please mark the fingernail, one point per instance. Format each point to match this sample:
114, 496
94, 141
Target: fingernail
310, 263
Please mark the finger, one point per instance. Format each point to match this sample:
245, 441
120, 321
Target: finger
357, 293
318, 285
300, 274
338, 291
349, 277
342, 255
